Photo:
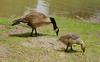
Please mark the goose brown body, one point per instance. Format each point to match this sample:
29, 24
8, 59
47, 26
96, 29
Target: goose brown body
36, 19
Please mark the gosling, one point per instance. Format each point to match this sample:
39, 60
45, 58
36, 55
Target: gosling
71, 39
35, 19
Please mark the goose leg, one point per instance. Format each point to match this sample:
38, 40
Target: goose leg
36, 32
32, 31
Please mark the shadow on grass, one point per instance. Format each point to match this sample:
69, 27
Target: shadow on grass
69, 51
28, 35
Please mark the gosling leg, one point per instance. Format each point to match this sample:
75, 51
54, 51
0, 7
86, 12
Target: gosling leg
66, 50
71, 48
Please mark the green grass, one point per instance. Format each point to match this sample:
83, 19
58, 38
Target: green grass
89, 32
4, 21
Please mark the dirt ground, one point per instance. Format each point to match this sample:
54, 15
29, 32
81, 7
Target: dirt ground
41, 41
2, 27
4, 52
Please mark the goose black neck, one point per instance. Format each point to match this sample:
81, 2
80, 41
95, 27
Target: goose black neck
53, 22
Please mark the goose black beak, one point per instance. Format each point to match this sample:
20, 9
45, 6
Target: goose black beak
57, 31
16, 22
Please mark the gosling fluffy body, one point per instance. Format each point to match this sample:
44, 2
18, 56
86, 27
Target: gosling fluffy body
71, 39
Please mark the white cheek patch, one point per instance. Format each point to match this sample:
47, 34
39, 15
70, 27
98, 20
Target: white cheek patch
56, 30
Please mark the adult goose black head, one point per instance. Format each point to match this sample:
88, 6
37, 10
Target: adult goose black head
17, 21
56, 29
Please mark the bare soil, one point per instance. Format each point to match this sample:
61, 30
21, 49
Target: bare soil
2, 27
4, 52
44, 42
41, 41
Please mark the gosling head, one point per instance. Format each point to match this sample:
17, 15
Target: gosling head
81, 43
16, 22
83, 47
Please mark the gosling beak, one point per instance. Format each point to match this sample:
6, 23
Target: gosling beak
12, 24
83, 50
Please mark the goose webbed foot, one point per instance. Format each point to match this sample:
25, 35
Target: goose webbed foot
66, 50
31, 34
36, 34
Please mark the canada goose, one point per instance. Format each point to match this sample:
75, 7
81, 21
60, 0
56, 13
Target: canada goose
71, 39
36, 19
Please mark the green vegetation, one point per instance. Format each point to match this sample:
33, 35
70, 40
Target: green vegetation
82, 8
15, 51
14, 8
4, 21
